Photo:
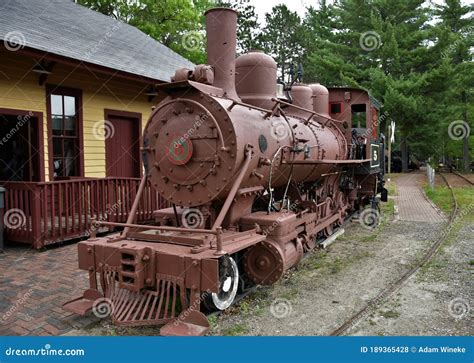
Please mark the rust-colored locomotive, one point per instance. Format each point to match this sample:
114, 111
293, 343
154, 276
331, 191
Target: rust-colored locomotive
253, 179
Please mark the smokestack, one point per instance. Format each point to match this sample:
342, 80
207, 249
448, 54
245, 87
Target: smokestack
221, 28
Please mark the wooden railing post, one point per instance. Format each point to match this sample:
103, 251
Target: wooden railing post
35, 203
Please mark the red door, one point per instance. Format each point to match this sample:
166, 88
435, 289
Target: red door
122, 146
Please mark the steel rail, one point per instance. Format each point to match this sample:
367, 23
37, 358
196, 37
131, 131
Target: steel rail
462, 177
374, 303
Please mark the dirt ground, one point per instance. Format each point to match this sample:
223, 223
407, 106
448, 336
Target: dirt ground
331, 285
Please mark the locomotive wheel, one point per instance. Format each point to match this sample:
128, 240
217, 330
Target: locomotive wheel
264, 263
228, 284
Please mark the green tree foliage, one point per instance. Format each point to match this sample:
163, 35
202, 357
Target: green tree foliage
397, 50
455, 34
178, 24
281, 37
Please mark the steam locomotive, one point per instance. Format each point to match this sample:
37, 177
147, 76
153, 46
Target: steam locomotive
253, 178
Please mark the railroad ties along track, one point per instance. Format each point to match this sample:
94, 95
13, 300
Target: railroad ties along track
374, 303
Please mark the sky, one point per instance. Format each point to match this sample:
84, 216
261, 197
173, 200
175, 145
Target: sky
265, 6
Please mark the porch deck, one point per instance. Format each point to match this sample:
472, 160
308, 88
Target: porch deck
42, 213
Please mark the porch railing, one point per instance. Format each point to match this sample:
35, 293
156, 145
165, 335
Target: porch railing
41, 213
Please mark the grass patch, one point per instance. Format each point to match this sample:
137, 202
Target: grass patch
390, 314
441, 196
391, 187
236, 329
290, 294
471, 262
212, 322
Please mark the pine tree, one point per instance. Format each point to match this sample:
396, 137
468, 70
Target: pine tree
281, 37
455, 32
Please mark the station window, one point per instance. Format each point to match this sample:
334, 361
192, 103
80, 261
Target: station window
336, 107
65, 131
359, 115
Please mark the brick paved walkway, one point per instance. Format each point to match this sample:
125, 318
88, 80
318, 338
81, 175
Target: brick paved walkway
33, 287
411, 202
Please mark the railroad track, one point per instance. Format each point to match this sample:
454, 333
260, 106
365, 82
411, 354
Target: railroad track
374, 303
462, 177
